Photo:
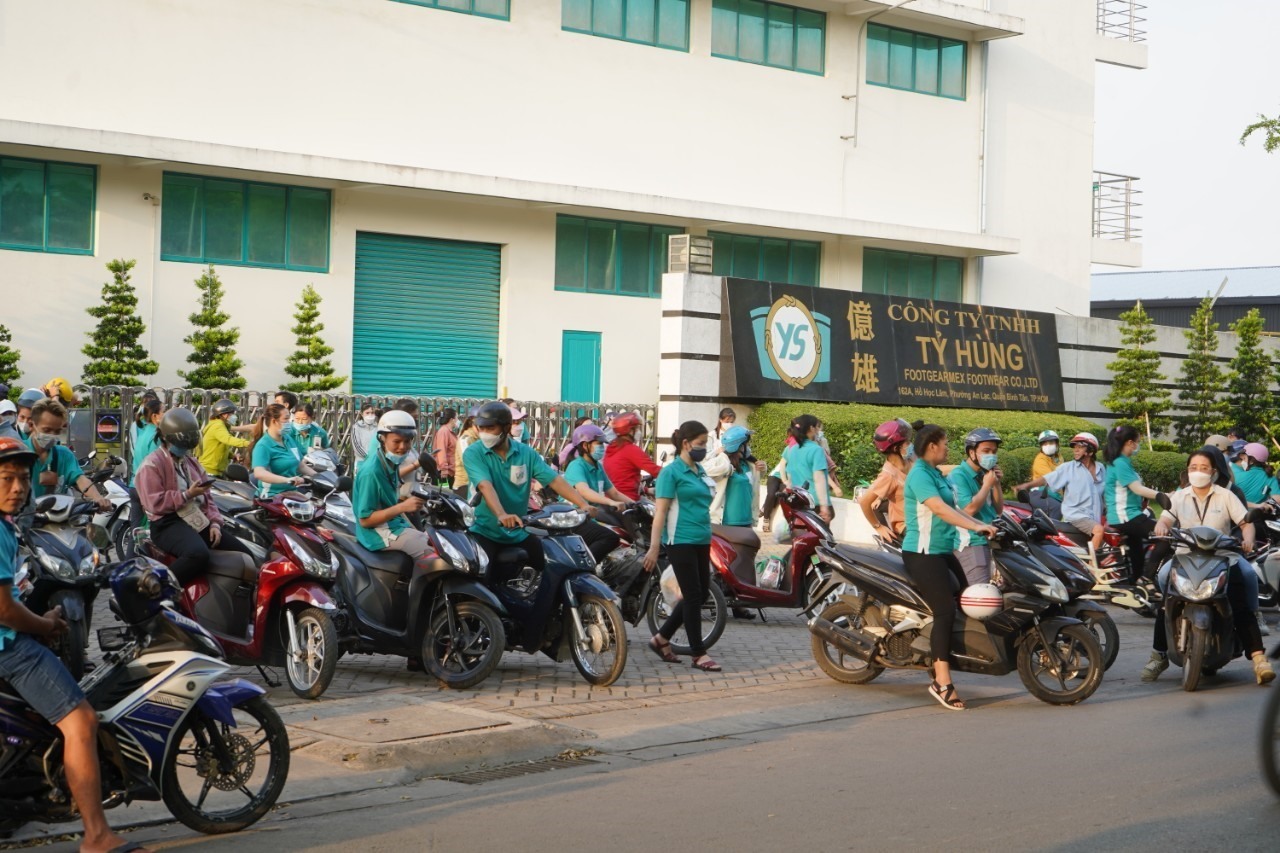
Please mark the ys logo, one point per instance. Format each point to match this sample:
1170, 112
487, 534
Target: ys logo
792, 342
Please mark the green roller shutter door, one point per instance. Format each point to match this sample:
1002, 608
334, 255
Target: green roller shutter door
426, 317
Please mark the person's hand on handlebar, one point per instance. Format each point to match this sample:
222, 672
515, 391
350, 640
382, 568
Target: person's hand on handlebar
886, 533
510, 521
988, 531
413, 503
59, 622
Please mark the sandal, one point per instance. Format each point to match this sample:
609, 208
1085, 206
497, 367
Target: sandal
663, 651
946, 696
707, 665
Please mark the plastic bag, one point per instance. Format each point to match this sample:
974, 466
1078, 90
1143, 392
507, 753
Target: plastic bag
670, 587
782, 532
769, 573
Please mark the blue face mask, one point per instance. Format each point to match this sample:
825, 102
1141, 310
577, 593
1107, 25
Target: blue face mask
395, 458
909, 453
179, 452
597, 452
987, 461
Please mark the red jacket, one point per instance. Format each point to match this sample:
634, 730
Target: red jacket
623, 462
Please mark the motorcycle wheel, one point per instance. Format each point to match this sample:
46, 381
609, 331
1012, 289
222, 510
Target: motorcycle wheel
212, 798
715, 613
309, 674
814, 578
1067, 672
470, 660
1193, 663
70, 646
1107, 634
1269, 742
120, 539
838, 665
601, 653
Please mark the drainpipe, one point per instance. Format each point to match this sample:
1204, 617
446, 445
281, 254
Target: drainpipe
980, 265
857, 77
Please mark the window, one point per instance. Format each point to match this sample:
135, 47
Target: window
213, 220
662, 23
47, 207
912, 275
766, 258
603, 256
483, 8
916, 62
769, 34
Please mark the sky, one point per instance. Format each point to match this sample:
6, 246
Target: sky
1207, 201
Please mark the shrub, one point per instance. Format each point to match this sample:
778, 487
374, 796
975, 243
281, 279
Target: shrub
1166, 446
1160, 470
1016, 465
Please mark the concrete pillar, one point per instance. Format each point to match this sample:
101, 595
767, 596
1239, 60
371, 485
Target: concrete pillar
689, 372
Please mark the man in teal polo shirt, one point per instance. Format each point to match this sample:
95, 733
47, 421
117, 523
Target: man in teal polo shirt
503, 471
375, 494
56, 469
976, 482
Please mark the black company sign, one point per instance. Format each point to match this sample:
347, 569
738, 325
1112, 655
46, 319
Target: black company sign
791, 342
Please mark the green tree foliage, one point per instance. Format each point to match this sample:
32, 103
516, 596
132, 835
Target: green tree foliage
1250, 374
212, 346
1270, 129
1136, 397
310, 363
116, 355
9, 372
1201, 382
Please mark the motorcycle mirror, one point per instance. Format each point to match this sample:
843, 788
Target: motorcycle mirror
344, 484
1253, 515
1163, 500
237, 473
1023, 496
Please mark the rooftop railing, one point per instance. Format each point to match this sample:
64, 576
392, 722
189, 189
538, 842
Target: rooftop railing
1122, 19
1115, 204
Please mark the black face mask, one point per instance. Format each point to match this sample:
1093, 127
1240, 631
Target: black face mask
697, 454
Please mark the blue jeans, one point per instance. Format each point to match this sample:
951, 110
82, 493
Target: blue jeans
39, 678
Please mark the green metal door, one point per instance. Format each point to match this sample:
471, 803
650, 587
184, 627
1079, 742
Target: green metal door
426, 317
580, 367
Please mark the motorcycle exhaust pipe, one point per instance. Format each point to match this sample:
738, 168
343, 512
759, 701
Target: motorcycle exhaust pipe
849, 640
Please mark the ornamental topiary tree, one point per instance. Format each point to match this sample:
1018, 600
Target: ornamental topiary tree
9, 372
1250, 374
212, 346
116, 356
1136, 397
1200, 383
310, 362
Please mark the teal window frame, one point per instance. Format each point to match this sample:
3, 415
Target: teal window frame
589, 9
921, 46
722, 9
732, 256
464, 7
913, 274
574, 274
246, 189
46, 168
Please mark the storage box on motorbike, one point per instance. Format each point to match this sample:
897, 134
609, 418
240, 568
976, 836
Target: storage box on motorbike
620, 569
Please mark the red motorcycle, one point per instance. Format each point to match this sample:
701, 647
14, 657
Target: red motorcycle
282, 613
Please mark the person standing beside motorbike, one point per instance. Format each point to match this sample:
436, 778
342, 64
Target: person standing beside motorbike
363, 433
728, 417
1124, 494
624, 461
445, 445
806, 464
146, 439
892, 439
56, 468
1080, 482
306, 433
216, 441
976, 482
928, 551
773, 485
275, 457
682, 521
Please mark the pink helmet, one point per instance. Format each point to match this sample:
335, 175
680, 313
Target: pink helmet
1257, 452
891, 433
587, 432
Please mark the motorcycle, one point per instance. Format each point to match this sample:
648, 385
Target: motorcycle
116, 489
215, 752
437, 610
884, 622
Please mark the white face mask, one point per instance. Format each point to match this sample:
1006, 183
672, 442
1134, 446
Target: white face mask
1199, 479
517, 430
490, 440
1049, 449
371, 420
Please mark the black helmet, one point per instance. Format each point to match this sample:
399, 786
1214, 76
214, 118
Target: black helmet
179, 428
494, 414
979, 435
223, 407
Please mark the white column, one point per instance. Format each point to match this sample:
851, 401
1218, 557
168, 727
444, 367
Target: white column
689, 371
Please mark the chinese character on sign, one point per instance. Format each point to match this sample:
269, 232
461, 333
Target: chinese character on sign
860, 321
866, 378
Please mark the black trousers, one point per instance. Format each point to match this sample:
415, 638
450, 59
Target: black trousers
772, 486
1246, 624
692, 565
938, 578
600, 539
190, 549
1136, 531
532, 547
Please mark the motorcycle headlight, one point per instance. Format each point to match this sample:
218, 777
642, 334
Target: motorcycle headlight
1198, 592
89, 564
56, 564
311, 564
565, 520
482, 558
468, 515
454, 556
1053, 590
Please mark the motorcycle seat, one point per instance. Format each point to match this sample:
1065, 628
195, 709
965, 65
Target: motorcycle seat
233, 564
889, 564
1071, 533
512, 557
748, 545
386, 560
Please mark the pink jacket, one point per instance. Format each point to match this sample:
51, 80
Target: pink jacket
158, 490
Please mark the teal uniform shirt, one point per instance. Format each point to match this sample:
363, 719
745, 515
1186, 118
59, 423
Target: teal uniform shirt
690, 491
739, 498
146, 441
278, 457
926, 532
802, 461
512, 479
966, 483
1122, 504
589, 471
376, 487
1254, 482
315, 436
62, 462
8, 569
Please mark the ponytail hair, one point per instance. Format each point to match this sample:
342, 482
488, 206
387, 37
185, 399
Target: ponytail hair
688, 431
149, 408
1117, 439
800, 428
926, 436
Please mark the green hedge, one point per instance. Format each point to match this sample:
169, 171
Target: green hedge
850, 426
1160, 470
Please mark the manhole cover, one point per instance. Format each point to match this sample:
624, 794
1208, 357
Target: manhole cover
510, 771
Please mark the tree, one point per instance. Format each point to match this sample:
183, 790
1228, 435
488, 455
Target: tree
9, 372
310, 362
1136, 397
1201, 382
212, 347
115, 355
1249, 376
1270, 127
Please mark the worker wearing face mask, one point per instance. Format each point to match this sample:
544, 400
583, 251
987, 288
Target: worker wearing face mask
8, 418
216, 441
518, 425
976, 483
363, 432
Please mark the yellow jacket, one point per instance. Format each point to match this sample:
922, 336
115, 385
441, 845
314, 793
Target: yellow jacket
216, 443
1042, 465
460, 478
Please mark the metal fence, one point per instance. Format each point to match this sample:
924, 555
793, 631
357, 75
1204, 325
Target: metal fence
547, 427
1122, 19
1115, 207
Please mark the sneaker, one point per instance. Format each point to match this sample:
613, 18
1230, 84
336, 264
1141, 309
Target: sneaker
1158, 664
1262, 669
1262, 626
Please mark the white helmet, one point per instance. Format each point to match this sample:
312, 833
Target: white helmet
982, 601
399, 422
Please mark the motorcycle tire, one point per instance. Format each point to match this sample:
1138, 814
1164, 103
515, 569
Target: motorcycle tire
191, 759
715, 607
839, 666
120, 544
1034, 659
1193, 662
318, 639
601, 654
1108, 636
1269, 742
70, 647
484, 642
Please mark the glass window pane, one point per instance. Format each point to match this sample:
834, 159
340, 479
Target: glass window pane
571, 252
660, 245
901, 58
266, 224
223, 220
751, 30
22, 203
70, 207
308, 228
601, 256
634, 259
455, 5
606, 18
781, 38
896, 273
874, 269
724, 28
950, 280
804, 262
493, 8
746, 257
810, 40
721, 253
576, 15
673, 23
952, 84
877, 54
182, 217
921, 277
775, 257
640, 20
927, 65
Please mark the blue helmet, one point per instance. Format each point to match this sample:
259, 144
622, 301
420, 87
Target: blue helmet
734, 438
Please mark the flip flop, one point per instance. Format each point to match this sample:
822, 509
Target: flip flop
663, 651
127, 847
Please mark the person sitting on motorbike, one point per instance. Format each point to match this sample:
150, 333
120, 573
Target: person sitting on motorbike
773, 485
1249, 467
375, 493
502, 471
1226, 475
586, 474
1050, 500
364, 432
308, 434
1206, 504
569, 451
275, 457
893, 440
146, 439
8, 420
26, 401
624, 461
1080, 482
1124, 495
174, 491
980, 494
806, 464
216, 441
35, 673
517, 424
56, 468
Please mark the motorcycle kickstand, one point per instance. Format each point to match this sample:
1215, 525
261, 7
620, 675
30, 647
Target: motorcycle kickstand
270, 681
763, 618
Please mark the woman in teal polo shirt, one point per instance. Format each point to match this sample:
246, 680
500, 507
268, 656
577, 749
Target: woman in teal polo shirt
682, 522
585, 472
1123, 494
306, 433
806, 466
276, 459
927, 551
